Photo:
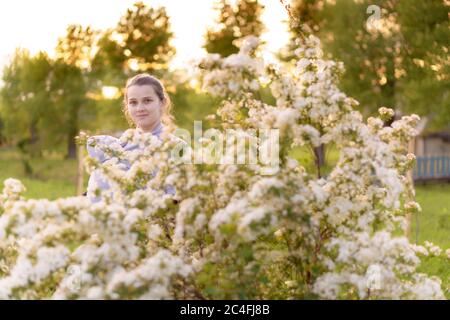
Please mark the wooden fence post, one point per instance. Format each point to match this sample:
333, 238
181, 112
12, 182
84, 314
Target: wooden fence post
410, 178
80, 170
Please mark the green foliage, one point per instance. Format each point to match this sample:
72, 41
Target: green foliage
139, 43
145, 34
25, 99
76, 47
18, 115
109, 64
399, 60
426, 33
190, 105
70, 80
233, 24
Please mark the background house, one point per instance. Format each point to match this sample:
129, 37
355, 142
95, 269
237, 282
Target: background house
433, 144
433, 156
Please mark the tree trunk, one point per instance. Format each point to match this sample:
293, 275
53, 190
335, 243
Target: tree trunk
319, 158
34, 137
319, 153
72, 132
33, 149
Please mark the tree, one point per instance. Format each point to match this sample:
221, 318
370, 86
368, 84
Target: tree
76, 47
2, 137
68, 86
233, 24
110, 64
25, 105
425, 31
139, 43
70, 79
25, 97
394, 51
144, 34
41, 94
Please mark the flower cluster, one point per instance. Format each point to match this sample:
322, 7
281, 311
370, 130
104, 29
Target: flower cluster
233, 232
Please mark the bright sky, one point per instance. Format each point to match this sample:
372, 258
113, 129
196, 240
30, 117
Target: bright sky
36, 25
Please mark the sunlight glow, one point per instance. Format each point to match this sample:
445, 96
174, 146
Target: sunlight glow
110, 92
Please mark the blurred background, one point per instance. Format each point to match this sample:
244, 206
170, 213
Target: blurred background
63, 65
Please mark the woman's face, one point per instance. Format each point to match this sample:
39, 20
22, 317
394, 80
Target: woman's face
144, 106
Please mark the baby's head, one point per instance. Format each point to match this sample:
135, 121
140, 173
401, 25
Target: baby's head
146, 103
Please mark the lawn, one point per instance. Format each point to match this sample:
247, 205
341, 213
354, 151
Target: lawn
52, 178
433, 223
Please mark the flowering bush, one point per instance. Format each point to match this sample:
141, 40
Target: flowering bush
233, 232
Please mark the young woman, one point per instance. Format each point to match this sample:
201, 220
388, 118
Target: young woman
146, 106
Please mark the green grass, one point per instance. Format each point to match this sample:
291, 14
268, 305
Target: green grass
52, 177
433, 223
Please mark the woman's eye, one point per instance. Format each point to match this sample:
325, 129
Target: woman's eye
147, 100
